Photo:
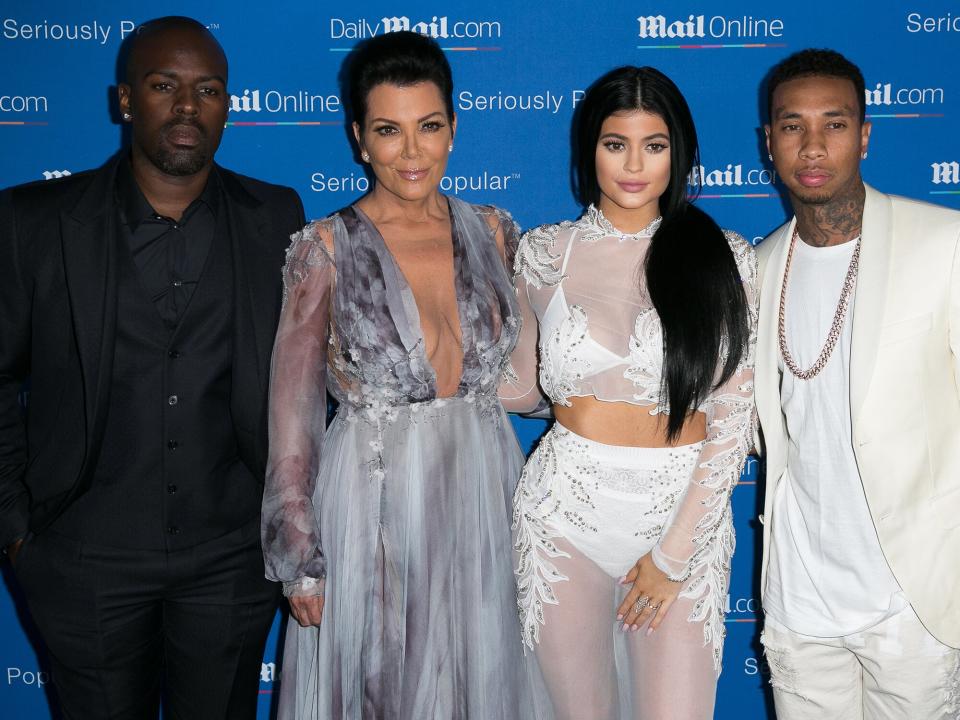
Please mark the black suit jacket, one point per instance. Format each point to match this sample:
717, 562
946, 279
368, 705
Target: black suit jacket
58, 309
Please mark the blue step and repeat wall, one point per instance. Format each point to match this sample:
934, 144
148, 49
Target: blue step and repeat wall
520, 69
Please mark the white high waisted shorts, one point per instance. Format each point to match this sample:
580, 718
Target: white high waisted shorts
610, 502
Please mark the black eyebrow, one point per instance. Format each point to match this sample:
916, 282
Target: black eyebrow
175, 76
618, 136
844, 111
394, 122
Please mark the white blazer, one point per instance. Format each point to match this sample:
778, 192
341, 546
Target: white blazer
904, 395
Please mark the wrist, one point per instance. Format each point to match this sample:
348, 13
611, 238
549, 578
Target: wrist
304, 587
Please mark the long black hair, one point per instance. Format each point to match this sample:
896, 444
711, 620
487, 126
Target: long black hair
690, 272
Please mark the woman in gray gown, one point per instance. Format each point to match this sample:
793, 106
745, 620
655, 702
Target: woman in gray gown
391, 528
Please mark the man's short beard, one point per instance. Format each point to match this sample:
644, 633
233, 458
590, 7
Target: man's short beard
180, 163
821, 199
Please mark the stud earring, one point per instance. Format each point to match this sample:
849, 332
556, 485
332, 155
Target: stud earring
450, 147
864, 155
127, 117
225, 125
770, 156
365, 156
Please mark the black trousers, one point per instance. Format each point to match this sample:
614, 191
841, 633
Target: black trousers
124, 627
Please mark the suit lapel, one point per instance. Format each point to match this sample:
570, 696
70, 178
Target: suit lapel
256, 283
768, 351
871, 294
88, 237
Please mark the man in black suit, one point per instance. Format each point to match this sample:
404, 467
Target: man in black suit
141, 299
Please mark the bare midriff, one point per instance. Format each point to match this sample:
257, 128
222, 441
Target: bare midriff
619, 423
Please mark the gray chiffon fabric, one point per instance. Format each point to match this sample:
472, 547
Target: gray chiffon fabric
403, 504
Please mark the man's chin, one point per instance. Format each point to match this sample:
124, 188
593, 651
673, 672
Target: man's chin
181, 163
812, 196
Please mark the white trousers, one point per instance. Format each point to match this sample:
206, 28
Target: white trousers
895, 670
584, 512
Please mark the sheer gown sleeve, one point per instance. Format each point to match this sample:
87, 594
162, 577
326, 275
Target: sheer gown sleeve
297, 417
520, 389
729, 411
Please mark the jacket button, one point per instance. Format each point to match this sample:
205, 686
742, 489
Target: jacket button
172, 400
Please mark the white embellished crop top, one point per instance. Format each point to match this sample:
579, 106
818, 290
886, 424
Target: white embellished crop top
590, 329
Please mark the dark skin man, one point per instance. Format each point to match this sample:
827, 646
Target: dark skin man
176, 100
816, 139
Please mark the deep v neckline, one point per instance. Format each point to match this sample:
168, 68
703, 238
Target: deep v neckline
410, 304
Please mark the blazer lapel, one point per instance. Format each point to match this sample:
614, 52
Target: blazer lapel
256, 289
768, 351
871, 294
88, 237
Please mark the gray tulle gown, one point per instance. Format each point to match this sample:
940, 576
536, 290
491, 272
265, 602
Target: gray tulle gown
403, 504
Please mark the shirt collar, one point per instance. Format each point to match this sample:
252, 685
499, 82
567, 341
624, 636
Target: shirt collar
135, 208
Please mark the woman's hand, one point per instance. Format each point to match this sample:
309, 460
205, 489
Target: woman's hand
307, 610
651, 596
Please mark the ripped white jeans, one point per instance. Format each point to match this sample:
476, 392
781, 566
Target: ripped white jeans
895, 670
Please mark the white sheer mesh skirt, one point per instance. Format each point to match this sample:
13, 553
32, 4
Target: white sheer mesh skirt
584, 513
420, 618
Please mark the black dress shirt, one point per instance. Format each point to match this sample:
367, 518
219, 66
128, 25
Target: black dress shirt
170, 254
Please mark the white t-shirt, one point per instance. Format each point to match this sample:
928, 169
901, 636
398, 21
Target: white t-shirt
827, 575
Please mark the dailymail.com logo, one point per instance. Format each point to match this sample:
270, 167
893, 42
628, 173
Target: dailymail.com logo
464, 34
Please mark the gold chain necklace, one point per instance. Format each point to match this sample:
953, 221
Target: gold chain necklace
838, 317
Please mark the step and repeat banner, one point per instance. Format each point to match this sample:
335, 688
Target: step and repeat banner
519, 69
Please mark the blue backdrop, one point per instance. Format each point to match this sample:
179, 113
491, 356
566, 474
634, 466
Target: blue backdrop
519, 69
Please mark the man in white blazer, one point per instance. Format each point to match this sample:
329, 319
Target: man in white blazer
858, 395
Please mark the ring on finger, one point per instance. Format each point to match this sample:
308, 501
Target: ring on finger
656, 607
641, 604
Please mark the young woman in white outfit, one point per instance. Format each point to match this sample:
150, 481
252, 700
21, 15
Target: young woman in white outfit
642, 316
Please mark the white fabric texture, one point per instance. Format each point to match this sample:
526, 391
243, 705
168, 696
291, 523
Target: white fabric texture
593, 671
894, 670
585, 512
827, 576
612, 504
588, 319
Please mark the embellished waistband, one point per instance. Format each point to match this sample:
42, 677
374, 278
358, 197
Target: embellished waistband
380, 412
624, 456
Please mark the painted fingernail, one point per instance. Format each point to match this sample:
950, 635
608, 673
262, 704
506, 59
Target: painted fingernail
634, 628
649, 631
619, 616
